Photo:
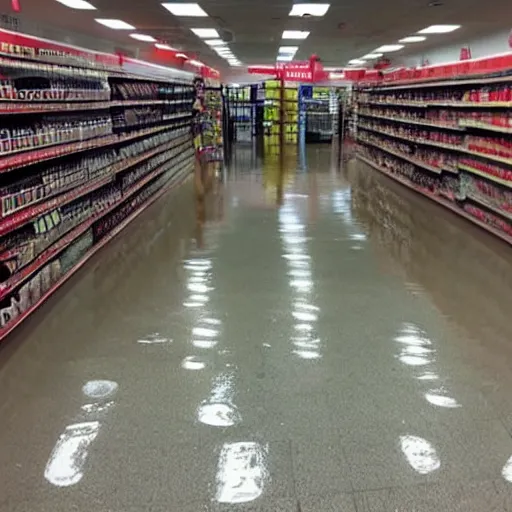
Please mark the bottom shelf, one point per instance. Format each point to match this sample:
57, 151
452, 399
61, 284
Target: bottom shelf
91, 252
444, 202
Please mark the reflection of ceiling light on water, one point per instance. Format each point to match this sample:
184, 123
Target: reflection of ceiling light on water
414, 360
198, 263
412, 339
304, 316
358, 236
506, 472
304, 327
154, 339
97, 409
428, 376
191, 304
100, 388
199, 288
218, 410
441, 401
306, 306
193, 363
205, 332
296, 257
66, 462
297, 272
197, 297
242, 472
218, 415
204, 343
420, 454
301, 284
414, 350
307, 354
197, 279
211, 321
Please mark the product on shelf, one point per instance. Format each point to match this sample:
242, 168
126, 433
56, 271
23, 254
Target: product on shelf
78, 146
448, 140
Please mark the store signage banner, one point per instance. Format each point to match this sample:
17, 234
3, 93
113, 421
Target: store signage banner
34, 48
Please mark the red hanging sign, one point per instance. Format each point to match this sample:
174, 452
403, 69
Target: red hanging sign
465, 53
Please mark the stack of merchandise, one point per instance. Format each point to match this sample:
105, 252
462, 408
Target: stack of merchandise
450, 140
82, 152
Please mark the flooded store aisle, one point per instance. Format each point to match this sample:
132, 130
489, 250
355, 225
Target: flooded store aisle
317, 341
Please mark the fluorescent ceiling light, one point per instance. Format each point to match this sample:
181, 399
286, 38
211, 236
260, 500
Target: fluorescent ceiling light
115, 24
143, 37
206, 33
295, 34
215, 42
285, 57
185, 9
78, 4
439, 29
288, 49
389, 48
373, 55
413, 39
161, 46
309, 9
357, 61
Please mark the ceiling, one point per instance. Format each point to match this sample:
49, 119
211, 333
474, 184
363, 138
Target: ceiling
350, 29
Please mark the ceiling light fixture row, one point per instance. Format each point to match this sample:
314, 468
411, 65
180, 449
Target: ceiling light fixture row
223, 50
387, 48
286, 53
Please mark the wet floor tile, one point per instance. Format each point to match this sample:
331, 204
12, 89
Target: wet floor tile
273, 357
473, 497
328, 503
395, 456
320, 468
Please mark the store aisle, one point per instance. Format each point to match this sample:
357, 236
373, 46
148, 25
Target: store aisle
347, 351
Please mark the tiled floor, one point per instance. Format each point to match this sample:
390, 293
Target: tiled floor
347, 350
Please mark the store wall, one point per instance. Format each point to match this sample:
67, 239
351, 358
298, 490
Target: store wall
480, 47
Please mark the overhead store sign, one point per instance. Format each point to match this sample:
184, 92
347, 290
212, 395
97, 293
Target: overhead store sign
295, 71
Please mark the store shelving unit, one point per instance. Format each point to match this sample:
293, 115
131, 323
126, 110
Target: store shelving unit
447, 139
84, 148
208, 139
280, 114
242, 112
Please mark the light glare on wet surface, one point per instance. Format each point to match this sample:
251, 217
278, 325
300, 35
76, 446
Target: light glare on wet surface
321, 340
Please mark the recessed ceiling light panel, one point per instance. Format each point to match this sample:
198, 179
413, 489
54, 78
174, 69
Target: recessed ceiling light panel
389, 48
295, 34
439, 29
413, 39
304, 9
373, 55
185, 9
357, 61
288, 49
115, 24
143, 37
206, 33
215, 42
78, 4
285, 58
